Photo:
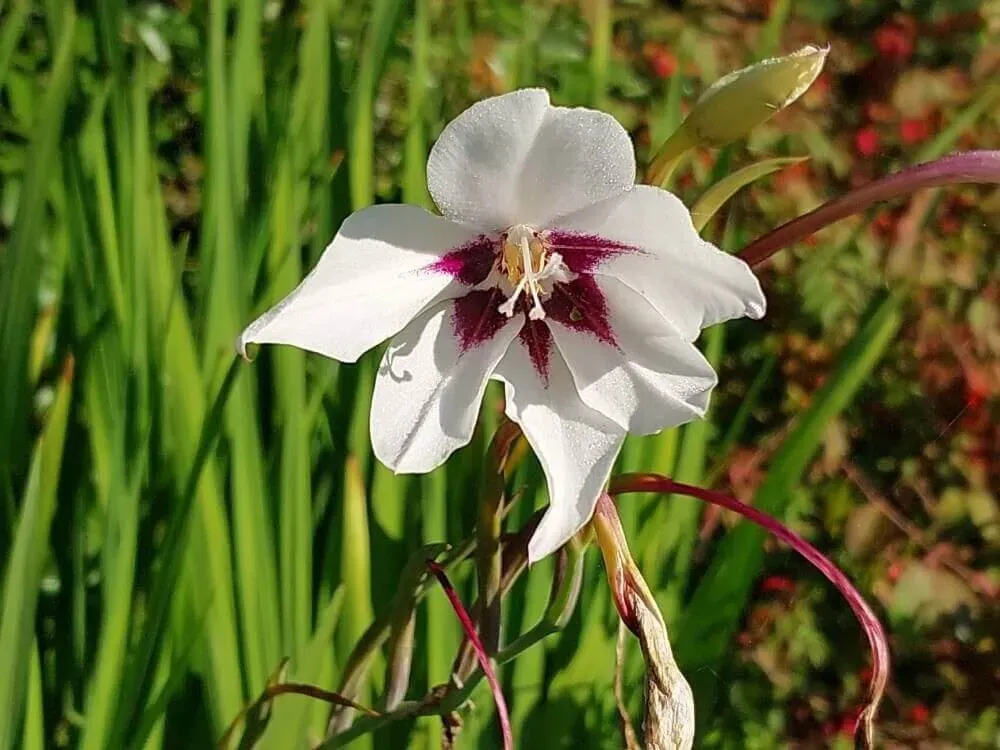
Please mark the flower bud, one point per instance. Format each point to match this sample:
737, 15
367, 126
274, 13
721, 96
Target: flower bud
737, 103
740, 101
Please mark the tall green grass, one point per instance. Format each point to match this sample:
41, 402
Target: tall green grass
177, 522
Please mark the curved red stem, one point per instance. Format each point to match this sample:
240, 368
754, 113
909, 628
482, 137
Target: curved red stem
874, 631
970, 166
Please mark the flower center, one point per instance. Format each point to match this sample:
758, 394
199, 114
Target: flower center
530, 268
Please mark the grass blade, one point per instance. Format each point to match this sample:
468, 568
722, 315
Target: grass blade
27, 558
13, 27
34, 717
21, 261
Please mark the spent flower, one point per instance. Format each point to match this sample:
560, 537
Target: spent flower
551, 271
669, 721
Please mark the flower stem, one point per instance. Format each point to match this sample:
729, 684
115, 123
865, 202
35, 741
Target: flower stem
966, 167
484, 660
447, 698
489, 565
866, 616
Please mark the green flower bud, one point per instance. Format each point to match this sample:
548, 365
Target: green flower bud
737, 103
740, 101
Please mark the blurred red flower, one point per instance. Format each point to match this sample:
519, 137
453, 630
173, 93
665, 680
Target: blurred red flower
661, 61
894, 41
866, 141
920, 714
777, 585
914, 130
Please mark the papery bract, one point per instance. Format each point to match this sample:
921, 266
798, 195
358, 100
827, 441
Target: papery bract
551, 271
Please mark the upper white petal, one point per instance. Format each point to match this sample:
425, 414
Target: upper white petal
514, 159
575, 445
371, 280
689, 281
428, 391
655, 380
579, 157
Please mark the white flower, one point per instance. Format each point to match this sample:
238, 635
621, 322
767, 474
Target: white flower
551, 271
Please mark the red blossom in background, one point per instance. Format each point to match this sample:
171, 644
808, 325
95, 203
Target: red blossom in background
894, 41
662, 61
777, 585
920, 714
866, 141
914, 130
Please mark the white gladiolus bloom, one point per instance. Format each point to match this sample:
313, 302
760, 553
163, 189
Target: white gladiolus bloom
551, 271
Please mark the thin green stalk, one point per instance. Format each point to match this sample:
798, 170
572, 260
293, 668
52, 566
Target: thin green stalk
295, 504
384, 19
600, 51
355, 566
770, 37
442, 631
415, 145
13, 27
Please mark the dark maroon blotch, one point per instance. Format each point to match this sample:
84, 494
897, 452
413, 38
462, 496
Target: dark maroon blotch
582, 253
475, 317
580, 306
470, 263
537, 340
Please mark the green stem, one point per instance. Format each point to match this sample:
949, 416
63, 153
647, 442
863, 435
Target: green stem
489, 564
440, 702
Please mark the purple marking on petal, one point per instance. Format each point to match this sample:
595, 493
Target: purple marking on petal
475, 318
580, 306
537, 340
582, 253
470, 263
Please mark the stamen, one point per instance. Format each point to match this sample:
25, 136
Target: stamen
526, 264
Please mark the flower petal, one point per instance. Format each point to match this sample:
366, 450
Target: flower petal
689, 281
514, 159
473, 168
575, 445
652, 380
580, 157
429, 388
376, 275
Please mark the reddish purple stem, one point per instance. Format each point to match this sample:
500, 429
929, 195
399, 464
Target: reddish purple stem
869, 621
477, 645
970, 166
